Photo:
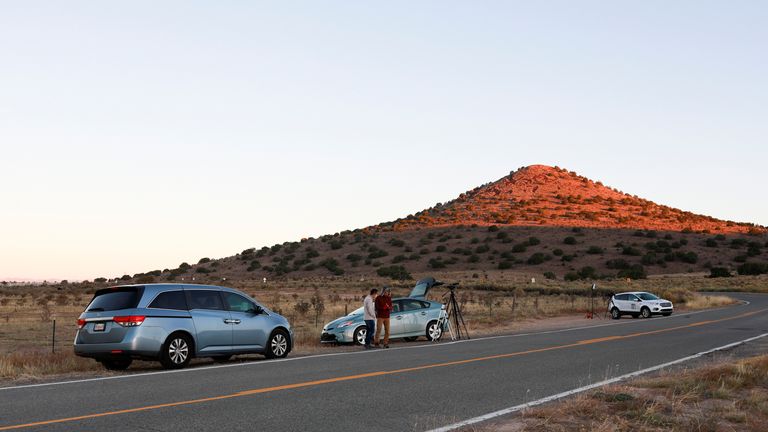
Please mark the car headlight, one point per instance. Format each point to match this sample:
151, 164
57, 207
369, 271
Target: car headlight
346, 324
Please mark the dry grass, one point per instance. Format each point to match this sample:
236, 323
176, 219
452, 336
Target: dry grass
26, 313
723, 397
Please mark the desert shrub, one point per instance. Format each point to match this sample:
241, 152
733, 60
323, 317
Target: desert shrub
493, 228
473, 259
248, 251
618, 264
398, 258
336, 244
716, 272
254, 265
650, 258
570, 277
424, 251
474, 240
502, 235
504, 265
687, 257
557, 252
332, 266
312, 253
536, 259
567, 258
588, 272
520, 247
375, 253
550, 275
636, 271
441, 248
740, 258
394, 272
738, 243
301, 307
274, 249
436, 263
354, 257
397, 242
100, 280
145, 279
631, 251
569, 240
638, 233
204, 260
482, 249
594, 250
710, 243
444, 238
533, 241
754, 251
184, 266
752, 268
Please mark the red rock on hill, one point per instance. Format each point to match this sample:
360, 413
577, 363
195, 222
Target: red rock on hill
540, 195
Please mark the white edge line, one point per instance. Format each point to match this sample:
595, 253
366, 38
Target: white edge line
516, 408
309, 357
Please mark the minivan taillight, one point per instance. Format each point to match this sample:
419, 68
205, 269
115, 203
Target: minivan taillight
129, 321
80, 323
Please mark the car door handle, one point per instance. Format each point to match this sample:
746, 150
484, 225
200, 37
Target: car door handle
399, 317
232, 321
423, 313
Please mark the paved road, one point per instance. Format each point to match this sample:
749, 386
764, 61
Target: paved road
420, 386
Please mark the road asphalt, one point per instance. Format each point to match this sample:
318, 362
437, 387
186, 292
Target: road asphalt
407, 387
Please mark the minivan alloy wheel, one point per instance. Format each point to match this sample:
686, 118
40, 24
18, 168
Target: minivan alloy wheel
178, 350
434, 331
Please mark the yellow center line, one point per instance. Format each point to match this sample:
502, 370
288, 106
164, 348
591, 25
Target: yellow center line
370, 374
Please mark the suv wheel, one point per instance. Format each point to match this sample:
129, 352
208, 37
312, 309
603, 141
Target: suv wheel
615, 314
359, 335
177, 351
434, 332
277, 346
645, 312
117, 364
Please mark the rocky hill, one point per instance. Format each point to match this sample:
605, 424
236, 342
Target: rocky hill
539, 220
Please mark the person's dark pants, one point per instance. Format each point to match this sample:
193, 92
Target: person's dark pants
370, 326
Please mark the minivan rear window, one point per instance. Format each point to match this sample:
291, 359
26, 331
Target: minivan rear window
111, 299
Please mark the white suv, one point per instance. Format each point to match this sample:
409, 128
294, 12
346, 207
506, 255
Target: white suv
638, 303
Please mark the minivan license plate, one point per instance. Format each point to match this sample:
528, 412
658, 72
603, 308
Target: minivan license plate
99, 326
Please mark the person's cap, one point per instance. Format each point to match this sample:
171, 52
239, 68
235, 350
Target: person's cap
386, 289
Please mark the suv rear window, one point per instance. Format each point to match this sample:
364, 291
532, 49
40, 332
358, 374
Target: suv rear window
111, 299
170, 300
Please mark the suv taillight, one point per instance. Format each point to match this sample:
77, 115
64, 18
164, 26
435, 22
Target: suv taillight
129, 321
80, 323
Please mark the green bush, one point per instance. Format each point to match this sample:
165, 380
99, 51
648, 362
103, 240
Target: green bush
588, 272
520, 247
436, 263
332, 266
394, 272
557, 252
255, 265
650, 258
493, 228
618, 264
204, 260
717, 272
482, 249
504, 265
631, 251
710, 243
752, 268
569, 240
397, 242
473, 258
550, 275
570, 277
594, 250
533, 241
441, 248
536, 259
634, 272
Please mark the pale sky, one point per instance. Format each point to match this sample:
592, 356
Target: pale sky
139, 135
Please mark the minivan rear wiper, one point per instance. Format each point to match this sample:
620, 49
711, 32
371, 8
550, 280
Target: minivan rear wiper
96, 310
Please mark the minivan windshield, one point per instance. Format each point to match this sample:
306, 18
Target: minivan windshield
647, 296
111, 299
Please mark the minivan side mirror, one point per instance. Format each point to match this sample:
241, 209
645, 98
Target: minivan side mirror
256, 310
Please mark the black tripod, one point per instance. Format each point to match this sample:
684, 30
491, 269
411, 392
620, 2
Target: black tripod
453, 317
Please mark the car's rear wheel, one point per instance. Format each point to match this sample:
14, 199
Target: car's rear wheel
410, 339
277, 346
177, 351
434, 332
645, 312
117, 364
615, 314
359, 335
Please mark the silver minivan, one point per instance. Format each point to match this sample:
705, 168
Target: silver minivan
174, 322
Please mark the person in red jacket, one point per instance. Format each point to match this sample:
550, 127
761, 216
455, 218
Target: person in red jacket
383, 309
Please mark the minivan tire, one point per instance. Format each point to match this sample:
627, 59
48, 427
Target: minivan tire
116, 364
277, 345
645, 312
177, 351
434, 332
615, 314
358, 337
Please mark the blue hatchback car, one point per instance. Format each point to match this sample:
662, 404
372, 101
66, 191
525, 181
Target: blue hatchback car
174, 322
411, 317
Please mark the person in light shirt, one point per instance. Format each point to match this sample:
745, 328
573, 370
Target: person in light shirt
369, 315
